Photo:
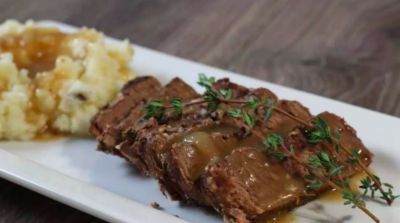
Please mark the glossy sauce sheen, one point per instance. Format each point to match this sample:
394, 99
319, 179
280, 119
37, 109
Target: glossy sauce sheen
256, 170
209, 145
206, 146
268, 181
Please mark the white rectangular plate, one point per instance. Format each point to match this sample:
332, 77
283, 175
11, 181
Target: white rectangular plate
73, 172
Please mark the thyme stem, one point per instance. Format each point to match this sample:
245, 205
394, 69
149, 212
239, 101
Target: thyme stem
329, 182
241, 101
329, 173
372, 176
377, 183
361, 207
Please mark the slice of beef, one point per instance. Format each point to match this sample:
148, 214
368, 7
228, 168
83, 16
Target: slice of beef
248, 184
191, 153
156, 151
348, 139
113, 135
208, 158
152, 142
187, 159
133, 93
147, 146
135, 121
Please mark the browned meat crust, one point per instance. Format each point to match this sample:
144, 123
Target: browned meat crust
204, 158
126, 112
133, 95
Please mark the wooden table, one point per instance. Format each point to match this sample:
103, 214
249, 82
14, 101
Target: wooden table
347, 50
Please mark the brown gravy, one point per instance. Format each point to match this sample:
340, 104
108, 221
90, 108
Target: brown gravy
205, 146
35, 49
256, 170
266, 179
210, 144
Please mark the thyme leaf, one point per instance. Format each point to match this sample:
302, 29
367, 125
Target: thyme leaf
226, 93
248, 119
319, 132
235, 113
205, 81
268, 114
154, 108
273, 140
177, 106
315, 185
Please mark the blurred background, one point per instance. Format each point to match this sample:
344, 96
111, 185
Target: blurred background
343, 49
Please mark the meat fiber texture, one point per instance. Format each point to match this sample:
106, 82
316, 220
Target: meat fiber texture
206, 158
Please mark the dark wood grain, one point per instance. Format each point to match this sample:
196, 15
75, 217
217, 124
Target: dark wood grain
345, 49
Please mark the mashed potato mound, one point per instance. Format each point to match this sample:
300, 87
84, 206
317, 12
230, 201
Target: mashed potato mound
52, 81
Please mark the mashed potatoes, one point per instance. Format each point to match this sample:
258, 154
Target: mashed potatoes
52, 81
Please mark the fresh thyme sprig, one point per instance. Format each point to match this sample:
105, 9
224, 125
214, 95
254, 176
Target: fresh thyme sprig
321, 133
322, 168
367, 185
314, 165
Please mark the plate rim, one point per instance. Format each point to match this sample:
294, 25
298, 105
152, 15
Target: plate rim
14, 171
